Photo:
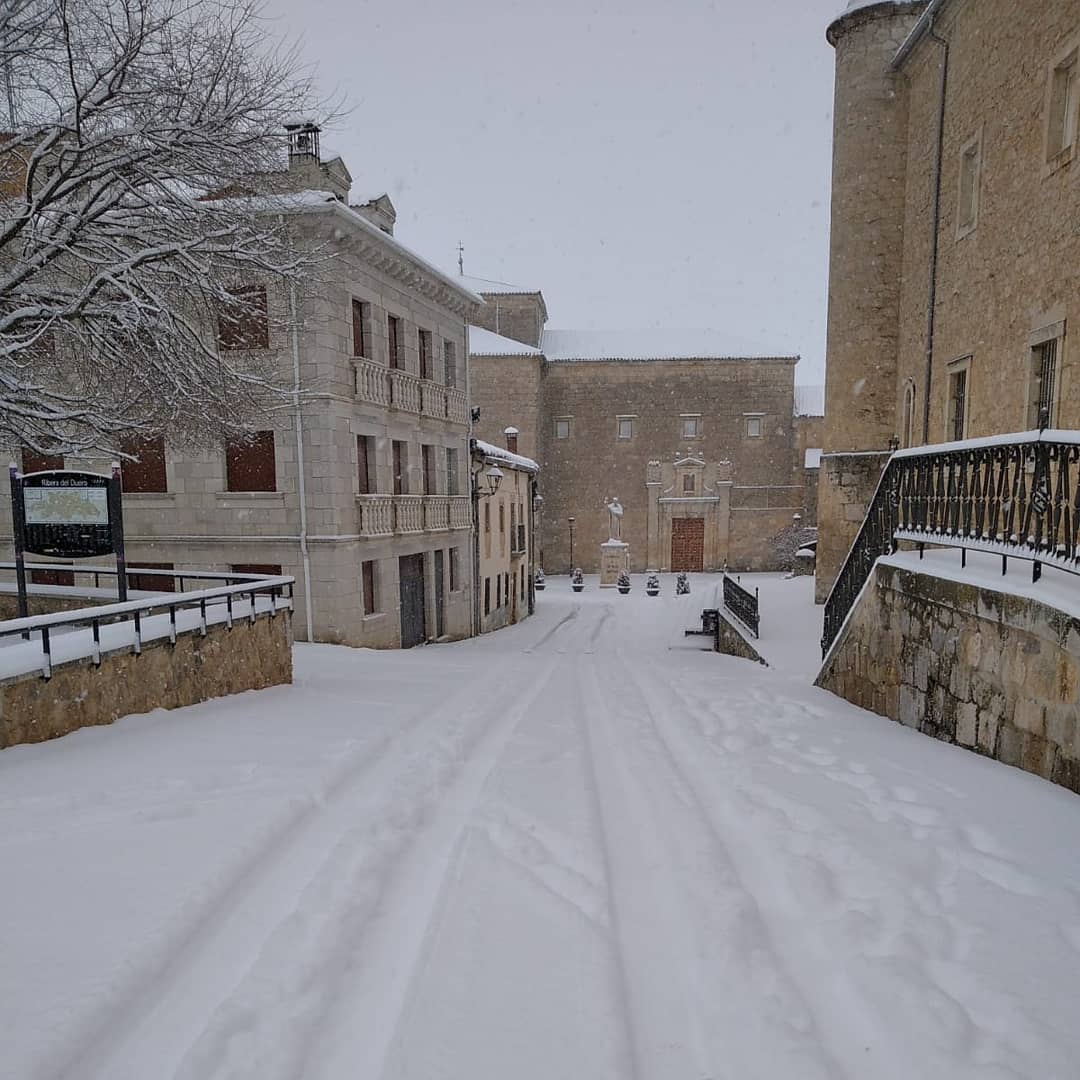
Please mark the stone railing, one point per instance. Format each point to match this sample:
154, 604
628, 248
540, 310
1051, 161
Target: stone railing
408, 513
460, 512
396, 389
372, 382
404, 391
376, 515
436, 513
457, 406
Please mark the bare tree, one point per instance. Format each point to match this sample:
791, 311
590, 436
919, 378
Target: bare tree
118, 266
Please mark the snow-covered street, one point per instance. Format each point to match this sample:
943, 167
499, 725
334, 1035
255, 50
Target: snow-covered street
578, 848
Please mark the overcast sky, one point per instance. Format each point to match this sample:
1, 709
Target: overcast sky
644, 164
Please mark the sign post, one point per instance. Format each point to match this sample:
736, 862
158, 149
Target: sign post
67, 515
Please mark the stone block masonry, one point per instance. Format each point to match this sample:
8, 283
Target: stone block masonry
995, 673
250, 656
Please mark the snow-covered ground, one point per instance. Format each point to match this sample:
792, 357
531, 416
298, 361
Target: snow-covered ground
578, 848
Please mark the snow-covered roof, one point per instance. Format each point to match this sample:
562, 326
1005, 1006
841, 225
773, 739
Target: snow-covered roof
813, 458
309, 201
484, 343
505, 457
649, 344
810, 400
501, 288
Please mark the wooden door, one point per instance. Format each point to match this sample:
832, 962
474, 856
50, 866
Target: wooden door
440, 577
688, 544
411, 587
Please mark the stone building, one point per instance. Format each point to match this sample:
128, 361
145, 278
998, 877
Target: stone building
360, 489
504, 483
701, 447
954, 260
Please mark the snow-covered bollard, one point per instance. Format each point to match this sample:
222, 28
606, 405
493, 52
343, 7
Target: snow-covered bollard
652, 586
682, 585
577, 580
623, 583
538, 581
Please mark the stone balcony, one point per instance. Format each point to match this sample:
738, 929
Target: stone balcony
396, 389
403, 515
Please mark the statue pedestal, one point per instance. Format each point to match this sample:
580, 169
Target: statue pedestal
614, 559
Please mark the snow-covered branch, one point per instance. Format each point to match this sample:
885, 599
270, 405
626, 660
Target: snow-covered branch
119, 268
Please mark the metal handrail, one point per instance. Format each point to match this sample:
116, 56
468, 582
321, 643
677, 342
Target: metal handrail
743, 604
249, 585
1017, 496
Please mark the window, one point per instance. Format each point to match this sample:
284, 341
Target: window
365, 461
393, 341
487, 529
753, 427
522, 576
32, 461
243, 322
959, 388
1042, 392
909, 414
452, 476
498, 590
360, 315
506, 586
423, 341
151, 582
625, 427
427, 454
269, 569
688, 484
502, 527
400, 462
367, 575
691, 427
52, 577
487, 596
449, 363
455, 570
147, 472
1064, 104
249, 463
562, 427
967, 213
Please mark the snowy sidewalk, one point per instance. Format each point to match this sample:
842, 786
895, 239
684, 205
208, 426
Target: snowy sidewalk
577, 848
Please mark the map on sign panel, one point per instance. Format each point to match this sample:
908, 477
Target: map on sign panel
67, 506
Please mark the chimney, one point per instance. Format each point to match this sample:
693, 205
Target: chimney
511, 434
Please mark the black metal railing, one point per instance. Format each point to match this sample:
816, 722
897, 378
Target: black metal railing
743, 604
157, 617
1017, 496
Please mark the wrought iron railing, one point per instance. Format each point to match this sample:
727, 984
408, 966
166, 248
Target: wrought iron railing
743, 604
1017, 496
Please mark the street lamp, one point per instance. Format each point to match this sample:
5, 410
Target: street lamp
493, 475
570, 522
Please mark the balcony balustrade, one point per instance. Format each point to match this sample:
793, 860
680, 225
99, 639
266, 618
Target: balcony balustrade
436, 513
372, 382
408, 513
396, 389
376, 514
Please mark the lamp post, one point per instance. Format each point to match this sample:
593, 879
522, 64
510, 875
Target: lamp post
570, 522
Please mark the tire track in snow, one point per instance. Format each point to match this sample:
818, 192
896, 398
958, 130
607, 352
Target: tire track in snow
860, 1041
369, 911
183, 979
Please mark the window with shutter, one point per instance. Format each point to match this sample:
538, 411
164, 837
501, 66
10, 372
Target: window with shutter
368, 576
359, 328
365, 480
449, 364
423, 340
151, 582
243, 323
393, 341
400, 466
268, 569
146, 472
32, 461
250, 464
428, 453
52, 577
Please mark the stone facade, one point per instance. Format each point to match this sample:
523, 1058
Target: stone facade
704, 453
1005, 268
344, 523
992, 672
249, 656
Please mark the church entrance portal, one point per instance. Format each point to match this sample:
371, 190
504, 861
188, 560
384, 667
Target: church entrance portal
688, 544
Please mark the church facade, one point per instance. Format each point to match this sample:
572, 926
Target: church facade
703, 449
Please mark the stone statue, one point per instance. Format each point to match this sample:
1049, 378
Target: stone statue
615, 515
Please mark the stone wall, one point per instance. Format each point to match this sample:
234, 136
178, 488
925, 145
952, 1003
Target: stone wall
520, 316
847, 486
731, 642
989, 671
250, 656
581, 473
506, 389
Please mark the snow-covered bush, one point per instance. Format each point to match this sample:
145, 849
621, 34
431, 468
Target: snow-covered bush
623, 582
682, 585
